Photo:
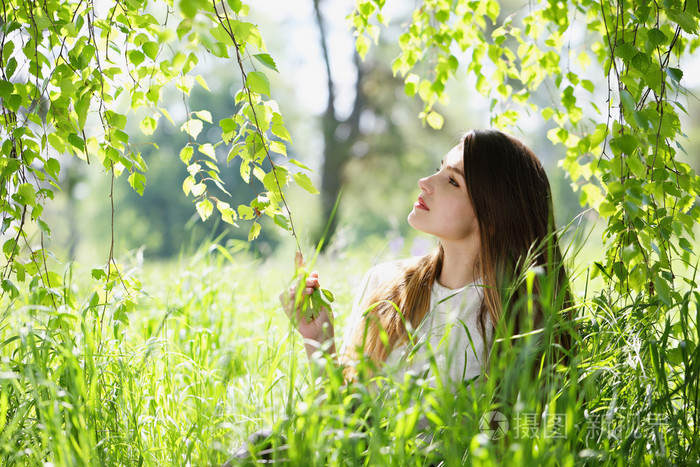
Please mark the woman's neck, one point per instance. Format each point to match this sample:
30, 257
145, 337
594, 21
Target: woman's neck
458, 263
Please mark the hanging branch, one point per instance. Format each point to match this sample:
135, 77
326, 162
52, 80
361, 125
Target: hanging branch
225, 23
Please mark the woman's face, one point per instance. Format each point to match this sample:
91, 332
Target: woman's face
443, 207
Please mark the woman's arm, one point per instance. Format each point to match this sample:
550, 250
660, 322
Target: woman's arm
317, 330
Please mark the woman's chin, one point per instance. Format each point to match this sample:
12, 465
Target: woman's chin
412, 218
414, 222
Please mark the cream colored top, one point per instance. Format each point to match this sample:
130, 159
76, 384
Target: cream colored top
448, 332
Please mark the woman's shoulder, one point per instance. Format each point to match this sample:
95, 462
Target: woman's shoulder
388, 270
383, 272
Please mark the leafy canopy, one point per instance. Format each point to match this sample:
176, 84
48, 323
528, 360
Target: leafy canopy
73, 72
613, 72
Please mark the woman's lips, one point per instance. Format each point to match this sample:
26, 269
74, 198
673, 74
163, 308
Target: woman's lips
420, 204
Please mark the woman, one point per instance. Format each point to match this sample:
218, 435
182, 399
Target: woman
489, 204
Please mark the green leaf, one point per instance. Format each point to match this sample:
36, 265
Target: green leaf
6, 88
76, 141
547, 113
254, 232
598, 136
204, 115
166, 114
266, 60
638, 168
242, 30
656, 37
627, 101
186, 154
317, 302
52, 167
227, 125
278, 147
136, 57
26, 194
202, 83
328, 296
189, 8
235, 5
120, 136
120, 316
245, 212
10, 288
685, 244
675, 74
82, 106
411, 84
11, 67
137, 180
192, 127
625, 144
684, 19
299, 164
148, 125
283, 221
228, 215
150, 49
205, 208
662, 288
435, 120
281, 131
44, 227
588, 85
304, 181
362, 44
631, 208
606, 209
10, 247
198, 189
187, 185
626, 51
257, 82
208, 150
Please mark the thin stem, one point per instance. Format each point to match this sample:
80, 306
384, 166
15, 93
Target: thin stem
229, 29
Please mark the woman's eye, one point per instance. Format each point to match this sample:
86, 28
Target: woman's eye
437, 169
454, 182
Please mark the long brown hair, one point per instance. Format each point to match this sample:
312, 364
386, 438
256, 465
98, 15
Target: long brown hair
511, 197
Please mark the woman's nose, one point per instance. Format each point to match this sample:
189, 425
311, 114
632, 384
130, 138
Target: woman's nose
424, 184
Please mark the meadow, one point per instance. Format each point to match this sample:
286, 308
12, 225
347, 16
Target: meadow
208, 357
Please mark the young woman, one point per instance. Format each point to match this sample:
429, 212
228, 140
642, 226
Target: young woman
490, 206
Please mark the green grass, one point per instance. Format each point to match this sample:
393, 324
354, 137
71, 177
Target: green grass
208, 357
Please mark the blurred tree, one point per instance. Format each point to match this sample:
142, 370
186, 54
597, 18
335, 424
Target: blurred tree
371, 136
339, 135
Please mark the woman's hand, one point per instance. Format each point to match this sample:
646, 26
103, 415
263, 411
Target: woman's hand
313, 324
312, 319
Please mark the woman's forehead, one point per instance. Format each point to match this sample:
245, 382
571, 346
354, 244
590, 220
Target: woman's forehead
454, 157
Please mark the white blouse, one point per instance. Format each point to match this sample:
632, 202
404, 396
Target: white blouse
448, 332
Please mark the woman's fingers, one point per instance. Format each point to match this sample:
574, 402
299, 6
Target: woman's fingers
312, 280
292, 303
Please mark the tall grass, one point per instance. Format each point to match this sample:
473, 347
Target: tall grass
208, 358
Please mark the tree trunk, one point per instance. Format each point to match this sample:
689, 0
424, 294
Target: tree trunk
336, 152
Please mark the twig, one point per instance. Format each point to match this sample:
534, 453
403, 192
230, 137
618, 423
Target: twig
229, 30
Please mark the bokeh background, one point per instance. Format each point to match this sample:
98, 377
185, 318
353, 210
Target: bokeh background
356, 129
